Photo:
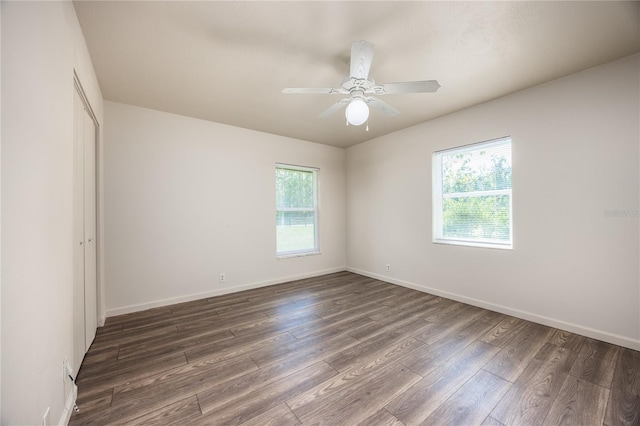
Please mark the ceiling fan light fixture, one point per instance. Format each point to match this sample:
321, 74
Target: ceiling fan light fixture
357, 112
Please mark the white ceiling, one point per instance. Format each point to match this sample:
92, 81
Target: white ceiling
227, 61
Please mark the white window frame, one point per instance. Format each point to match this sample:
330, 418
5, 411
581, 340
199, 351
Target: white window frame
437, 196
316, 249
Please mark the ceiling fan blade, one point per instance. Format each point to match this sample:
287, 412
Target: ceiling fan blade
361, 57
426, 86
312, 90
334, 108
383, 106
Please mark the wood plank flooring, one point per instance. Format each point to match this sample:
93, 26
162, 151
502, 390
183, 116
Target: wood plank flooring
343, 349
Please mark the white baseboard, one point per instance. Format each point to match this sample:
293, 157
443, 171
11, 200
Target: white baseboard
217, 292
551, 322
68, 407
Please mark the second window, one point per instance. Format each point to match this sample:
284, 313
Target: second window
296, 210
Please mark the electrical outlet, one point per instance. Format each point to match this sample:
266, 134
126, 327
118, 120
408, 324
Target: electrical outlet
46, 419
388, 267
222, 278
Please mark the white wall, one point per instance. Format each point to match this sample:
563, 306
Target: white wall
0, 222
186, 200
41, 46
575, 156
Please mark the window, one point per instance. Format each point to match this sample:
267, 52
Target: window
296, 210
472, 195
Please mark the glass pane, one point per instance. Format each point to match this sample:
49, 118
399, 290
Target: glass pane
480, 169
476, 218
294, 188
295, 231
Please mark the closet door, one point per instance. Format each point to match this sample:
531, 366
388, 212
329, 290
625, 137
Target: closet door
90, 251
85, 307
78, 233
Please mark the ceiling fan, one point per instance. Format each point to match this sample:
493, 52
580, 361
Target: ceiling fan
359, 86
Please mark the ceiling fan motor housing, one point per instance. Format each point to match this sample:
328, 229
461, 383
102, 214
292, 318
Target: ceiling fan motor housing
362, 84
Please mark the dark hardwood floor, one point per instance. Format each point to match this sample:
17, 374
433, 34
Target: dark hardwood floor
344, 349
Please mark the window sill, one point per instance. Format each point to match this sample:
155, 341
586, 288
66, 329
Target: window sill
474, 244
290, 255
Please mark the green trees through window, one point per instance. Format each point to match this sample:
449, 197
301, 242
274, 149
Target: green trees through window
472, 194
296, 210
